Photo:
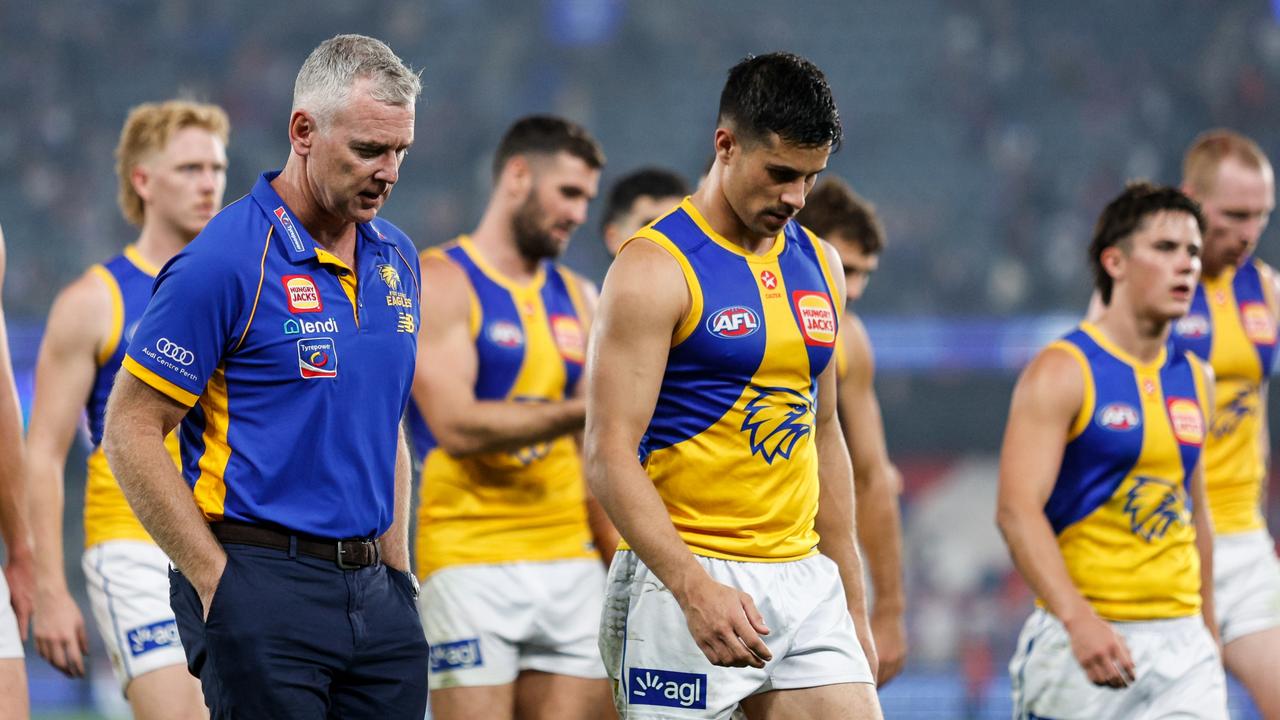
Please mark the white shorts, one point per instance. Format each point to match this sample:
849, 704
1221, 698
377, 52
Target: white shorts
1179, 673
10, 640
1246, 584
657, 668
128, 587
487, 623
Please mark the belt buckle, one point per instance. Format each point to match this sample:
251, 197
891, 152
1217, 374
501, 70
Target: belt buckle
342, 553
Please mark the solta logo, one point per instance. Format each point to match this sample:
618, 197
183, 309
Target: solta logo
776, 419
317, 358
1153, 506
1119, 416
734, 321
175, 352
667, 688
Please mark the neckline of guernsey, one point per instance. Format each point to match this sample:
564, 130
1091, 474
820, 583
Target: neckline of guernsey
768, 256
1095, 332
533, 286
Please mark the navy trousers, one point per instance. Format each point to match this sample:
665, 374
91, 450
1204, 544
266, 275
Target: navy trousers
298, 637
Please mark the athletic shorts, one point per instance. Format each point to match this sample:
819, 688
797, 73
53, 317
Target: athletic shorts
1246, 584
658, 671
128, 587
10, 640
1179, 674
487, 623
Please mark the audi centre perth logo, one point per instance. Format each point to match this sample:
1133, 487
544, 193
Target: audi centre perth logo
175, 352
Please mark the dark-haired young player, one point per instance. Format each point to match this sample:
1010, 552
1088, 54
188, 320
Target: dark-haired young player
638, 199
739, 583
1101, 494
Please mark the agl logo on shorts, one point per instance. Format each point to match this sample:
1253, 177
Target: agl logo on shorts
667, 688
734, 321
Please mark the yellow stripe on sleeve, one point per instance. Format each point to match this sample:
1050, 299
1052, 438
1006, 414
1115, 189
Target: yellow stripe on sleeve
1088, 401
691, 319
117, 315
158, 383
211, 486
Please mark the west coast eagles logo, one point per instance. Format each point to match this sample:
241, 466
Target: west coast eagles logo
1154, 506
776, 419
389, 276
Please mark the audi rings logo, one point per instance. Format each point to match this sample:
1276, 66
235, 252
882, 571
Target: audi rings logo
175, 352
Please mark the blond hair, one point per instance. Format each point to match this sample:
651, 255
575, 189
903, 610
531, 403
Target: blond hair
147, 131
1209, 149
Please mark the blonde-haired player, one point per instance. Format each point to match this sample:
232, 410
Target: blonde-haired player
171, 166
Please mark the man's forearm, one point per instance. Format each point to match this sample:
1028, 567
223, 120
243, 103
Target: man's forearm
45, 489
880, 536
498, 426
394, 543
162, 501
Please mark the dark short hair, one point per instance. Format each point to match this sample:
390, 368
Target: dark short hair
781, 93
1126, 214
833, 208
646, 182
547, 135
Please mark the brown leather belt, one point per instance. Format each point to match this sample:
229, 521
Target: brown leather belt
346, 554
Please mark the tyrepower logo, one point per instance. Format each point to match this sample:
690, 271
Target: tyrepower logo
667, 688
317, 358
149, 637
175, 352
735, 321
302, 294
817, 318
284, 219
1119, 416
456, 655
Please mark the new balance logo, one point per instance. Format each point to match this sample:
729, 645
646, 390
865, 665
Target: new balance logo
456, 655
667, 688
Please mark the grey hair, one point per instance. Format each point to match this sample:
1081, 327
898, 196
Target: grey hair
325, 80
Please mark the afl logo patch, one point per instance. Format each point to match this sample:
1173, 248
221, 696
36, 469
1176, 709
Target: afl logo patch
302, 294
505, 333
1259, 325
735, 321
1192, 327
1119, 416
817, 318
1186, 420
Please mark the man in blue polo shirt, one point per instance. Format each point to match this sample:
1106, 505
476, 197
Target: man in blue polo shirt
283, 338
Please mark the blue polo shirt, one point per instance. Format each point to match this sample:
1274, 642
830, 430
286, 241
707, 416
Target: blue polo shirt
297, 370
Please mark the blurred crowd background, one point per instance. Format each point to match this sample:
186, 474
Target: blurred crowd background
989, 133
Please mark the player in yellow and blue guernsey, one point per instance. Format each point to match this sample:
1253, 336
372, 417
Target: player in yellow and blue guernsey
637, 199
511, 581
1101, 491
1232, 327
283, 340
171, 167
712, 438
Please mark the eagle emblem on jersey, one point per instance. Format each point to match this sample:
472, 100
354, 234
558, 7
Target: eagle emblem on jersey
776, 419
1244, 404
1153, 506
389, 276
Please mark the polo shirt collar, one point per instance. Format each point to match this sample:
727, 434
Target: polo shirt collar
298, 242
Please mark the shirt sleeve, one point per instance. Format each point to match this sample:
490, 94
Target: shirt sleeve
182, 337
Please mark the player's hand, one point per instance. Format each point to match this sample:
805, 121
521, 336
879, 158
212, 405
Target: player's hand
726, 625
1101, 651
59, 630
20, 575
890, 633
208, 585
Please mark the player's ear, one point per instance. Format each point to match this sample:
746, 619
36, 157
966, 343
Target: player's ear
1114, 261
140, 179
727, 144
517, 176
303, 129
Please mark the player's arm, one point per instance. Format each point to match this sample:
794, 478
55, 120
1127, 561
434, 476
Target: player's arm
138, 419
1204, 521
603, 534
19, 567
394, 543
444, 384
876, 485
1046, 400
836, 519
79, 323
644, 299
